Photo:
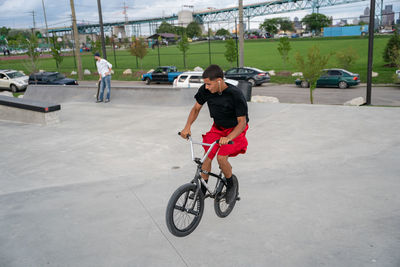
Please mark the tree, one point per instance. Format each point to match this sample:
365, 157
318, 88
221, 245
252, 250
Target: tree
4, 31
284, 48
95, 47
270, 25
222, 32
346, 57
32, 45
193, 29
139, 49
396, 60
285, 25
231, 51
165, 27
183, 46
392, 46
316, 21
56, 53
275, 24
180, 30
312, 67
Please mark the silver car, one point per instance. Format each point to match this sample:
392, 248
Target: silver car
13, 80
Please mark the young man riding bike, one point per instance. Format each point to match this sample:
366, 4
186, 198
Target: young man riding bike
228, 108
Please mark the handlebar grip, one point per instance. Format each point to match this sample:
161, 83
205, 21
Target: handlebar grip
179, 133
229, 143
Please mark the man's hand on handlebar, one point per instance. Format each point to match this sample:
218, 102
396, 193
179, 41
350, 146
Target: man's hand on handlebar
224, 140
185, 133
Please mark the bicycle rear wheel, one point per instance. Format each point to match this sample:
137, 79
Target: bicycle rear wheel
184, 213
223, 209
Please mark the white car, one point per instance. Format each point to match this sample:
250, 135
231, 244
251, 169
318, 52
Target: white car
398, 75
193, 79
13, 80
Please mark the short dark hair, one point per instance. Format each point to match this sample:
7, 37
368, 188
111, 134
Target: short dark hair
97, 54
213, 72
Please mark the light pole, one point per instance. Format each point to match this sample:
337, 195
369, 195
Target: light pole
241, 35
76, 41
47, 28
103, 45
371, 27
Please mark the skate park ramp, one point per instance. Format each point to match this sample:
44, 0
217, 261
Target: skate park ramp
148, 95
319, 186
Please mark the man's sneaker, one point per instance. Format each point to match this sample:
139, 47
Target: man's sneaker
107, 100
98, 101
231, 192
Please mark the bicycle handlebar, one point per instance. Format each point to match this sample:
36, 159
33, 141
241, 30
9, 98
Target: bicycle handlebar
217, 141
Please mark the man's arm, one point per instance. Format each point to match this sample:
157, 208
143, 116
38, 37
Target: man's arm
192, 117
109, 68
235, 133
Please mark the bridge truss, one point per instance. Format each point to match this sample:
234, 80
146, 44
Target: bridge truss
221, 15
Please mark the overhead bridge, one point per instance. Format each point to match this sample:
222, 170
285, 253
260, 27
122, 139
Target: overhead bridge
225, 14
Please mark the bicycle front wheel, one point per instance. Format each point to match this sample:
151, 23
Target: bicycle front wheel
184, 212
223, 209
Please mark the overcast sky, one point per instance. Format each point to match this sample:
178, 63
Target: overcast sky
18, 13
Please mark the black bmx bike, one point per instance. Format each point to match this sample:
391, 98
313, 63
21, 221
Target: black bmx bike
186, 205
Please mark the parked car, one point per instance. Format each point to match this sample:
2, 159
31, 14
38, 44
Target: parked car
281, 35
398, 76
161, 74
332, 78
306, 34
252, 75
13, 80
294, 35
386, 31
193, 79
51, 78
267, 35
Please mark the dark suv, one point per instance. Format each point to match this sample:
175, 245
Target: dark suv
52, 78
252, 75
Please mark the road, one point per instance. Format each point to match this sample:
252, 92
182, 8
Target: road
288, 93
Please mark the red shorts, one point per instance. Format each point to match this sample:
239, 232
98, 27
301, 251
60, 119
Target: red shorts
239, 145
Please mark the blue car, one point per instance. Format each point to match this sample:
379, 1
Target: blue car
163, 74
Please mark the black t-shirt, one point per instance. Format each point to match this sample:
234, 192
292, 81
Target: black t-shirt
224, 108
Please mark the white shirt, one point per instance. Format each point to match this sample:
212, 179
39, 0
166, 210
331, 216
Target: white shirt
103, 66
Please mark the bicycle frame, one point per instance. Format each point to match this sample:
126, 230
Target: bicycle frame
221, 181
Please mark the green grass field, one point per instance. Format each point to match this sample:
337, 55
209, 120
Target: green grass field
262, 54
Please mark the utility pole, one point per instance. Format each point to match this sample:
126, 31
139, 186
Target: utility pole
47, 28
241, 35
34, 21
76, 41
371, 27
103, 44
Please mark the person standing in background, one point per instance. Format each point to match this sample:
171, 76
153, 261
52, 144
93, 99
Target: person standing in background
104, 70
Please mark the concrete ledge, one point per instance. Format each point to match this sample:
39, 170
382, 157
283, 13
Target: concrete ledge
28, 116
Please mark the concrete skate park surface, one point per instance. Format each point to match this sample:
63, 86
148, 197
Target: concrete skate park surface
319, 187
